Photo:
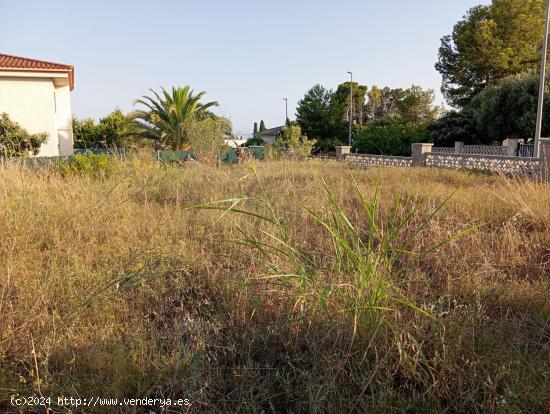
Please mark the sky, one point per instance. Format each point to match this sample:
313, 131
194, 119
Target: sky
247, 55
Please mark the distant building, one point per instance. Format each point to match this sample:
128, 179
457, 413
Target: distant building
270, 135
37, 95
235, 142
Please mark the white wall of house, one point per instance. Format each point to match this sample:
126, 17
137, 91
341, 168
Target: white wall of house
234, 143
40, 102
64, 119
269, 139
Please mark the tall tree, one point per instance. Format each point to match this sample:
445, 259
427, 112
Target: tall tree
341, 101
255, 129
374, 102
488, 44
381, 102
416, 106
507, 110
318, 118
453, 126
166, 116
262, 126
114, 129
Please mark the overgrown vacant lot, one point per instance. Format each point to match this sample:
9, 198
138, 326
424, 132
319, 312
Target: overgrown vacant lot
327, 296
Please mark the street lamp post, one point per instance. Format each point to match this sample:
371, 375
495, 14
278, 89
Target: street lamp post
538, 130
286, 109
350, 107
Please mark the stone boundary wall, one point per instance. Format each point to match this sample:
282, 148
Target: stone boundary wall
422, 156
472, 150
494, 163
368, 160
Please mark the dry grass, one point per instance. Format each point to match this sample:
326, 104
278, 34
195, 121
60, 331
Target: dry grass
127, 293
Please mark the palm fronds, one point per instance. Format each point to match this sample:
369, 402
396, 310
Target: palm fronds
166, 116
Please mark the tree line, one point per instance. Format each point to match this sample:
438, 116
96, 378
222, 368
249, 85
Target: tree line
384, 120
172, 119
489, 67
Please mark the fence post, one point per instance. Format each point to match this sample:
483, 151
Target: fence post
418, 151
459, 147
545, 157
513, 144
342, 150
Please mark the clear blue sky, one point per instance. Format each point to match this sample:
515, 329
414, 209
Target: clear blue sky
248, 55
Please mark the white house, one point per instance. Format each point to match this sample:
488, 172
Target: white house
37, 95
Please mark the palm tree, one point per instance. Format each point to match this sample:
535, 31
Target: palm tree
167, 116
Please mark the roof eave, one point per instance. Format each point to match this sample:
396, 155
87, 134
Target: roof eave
69, 71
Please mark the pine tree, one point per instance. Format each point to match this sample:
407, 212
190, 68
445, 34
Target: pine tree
255, 129
262, 126
489, 44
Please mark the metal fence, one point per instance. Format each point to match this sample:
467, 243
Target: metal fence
484, 150
228, 156
443, 150
472, 150
522, 150
526, 150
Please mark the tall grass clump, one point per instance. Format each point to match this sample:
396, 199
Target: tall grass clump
360, 276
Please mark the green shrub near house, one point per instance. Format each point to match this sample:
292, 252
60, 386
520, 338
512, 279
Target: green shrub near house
292, 141
16, 141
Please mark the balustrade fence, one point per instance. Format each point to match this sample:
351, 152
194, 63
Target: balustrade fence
526, 150
443, 150
495, 159
472, 150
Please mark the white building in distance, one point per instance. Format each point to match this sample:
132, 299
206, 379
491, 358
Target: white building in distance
37, 95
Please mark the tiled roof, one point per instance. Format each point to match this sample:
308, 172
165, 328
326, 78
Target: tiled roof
272, 131
17, 63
